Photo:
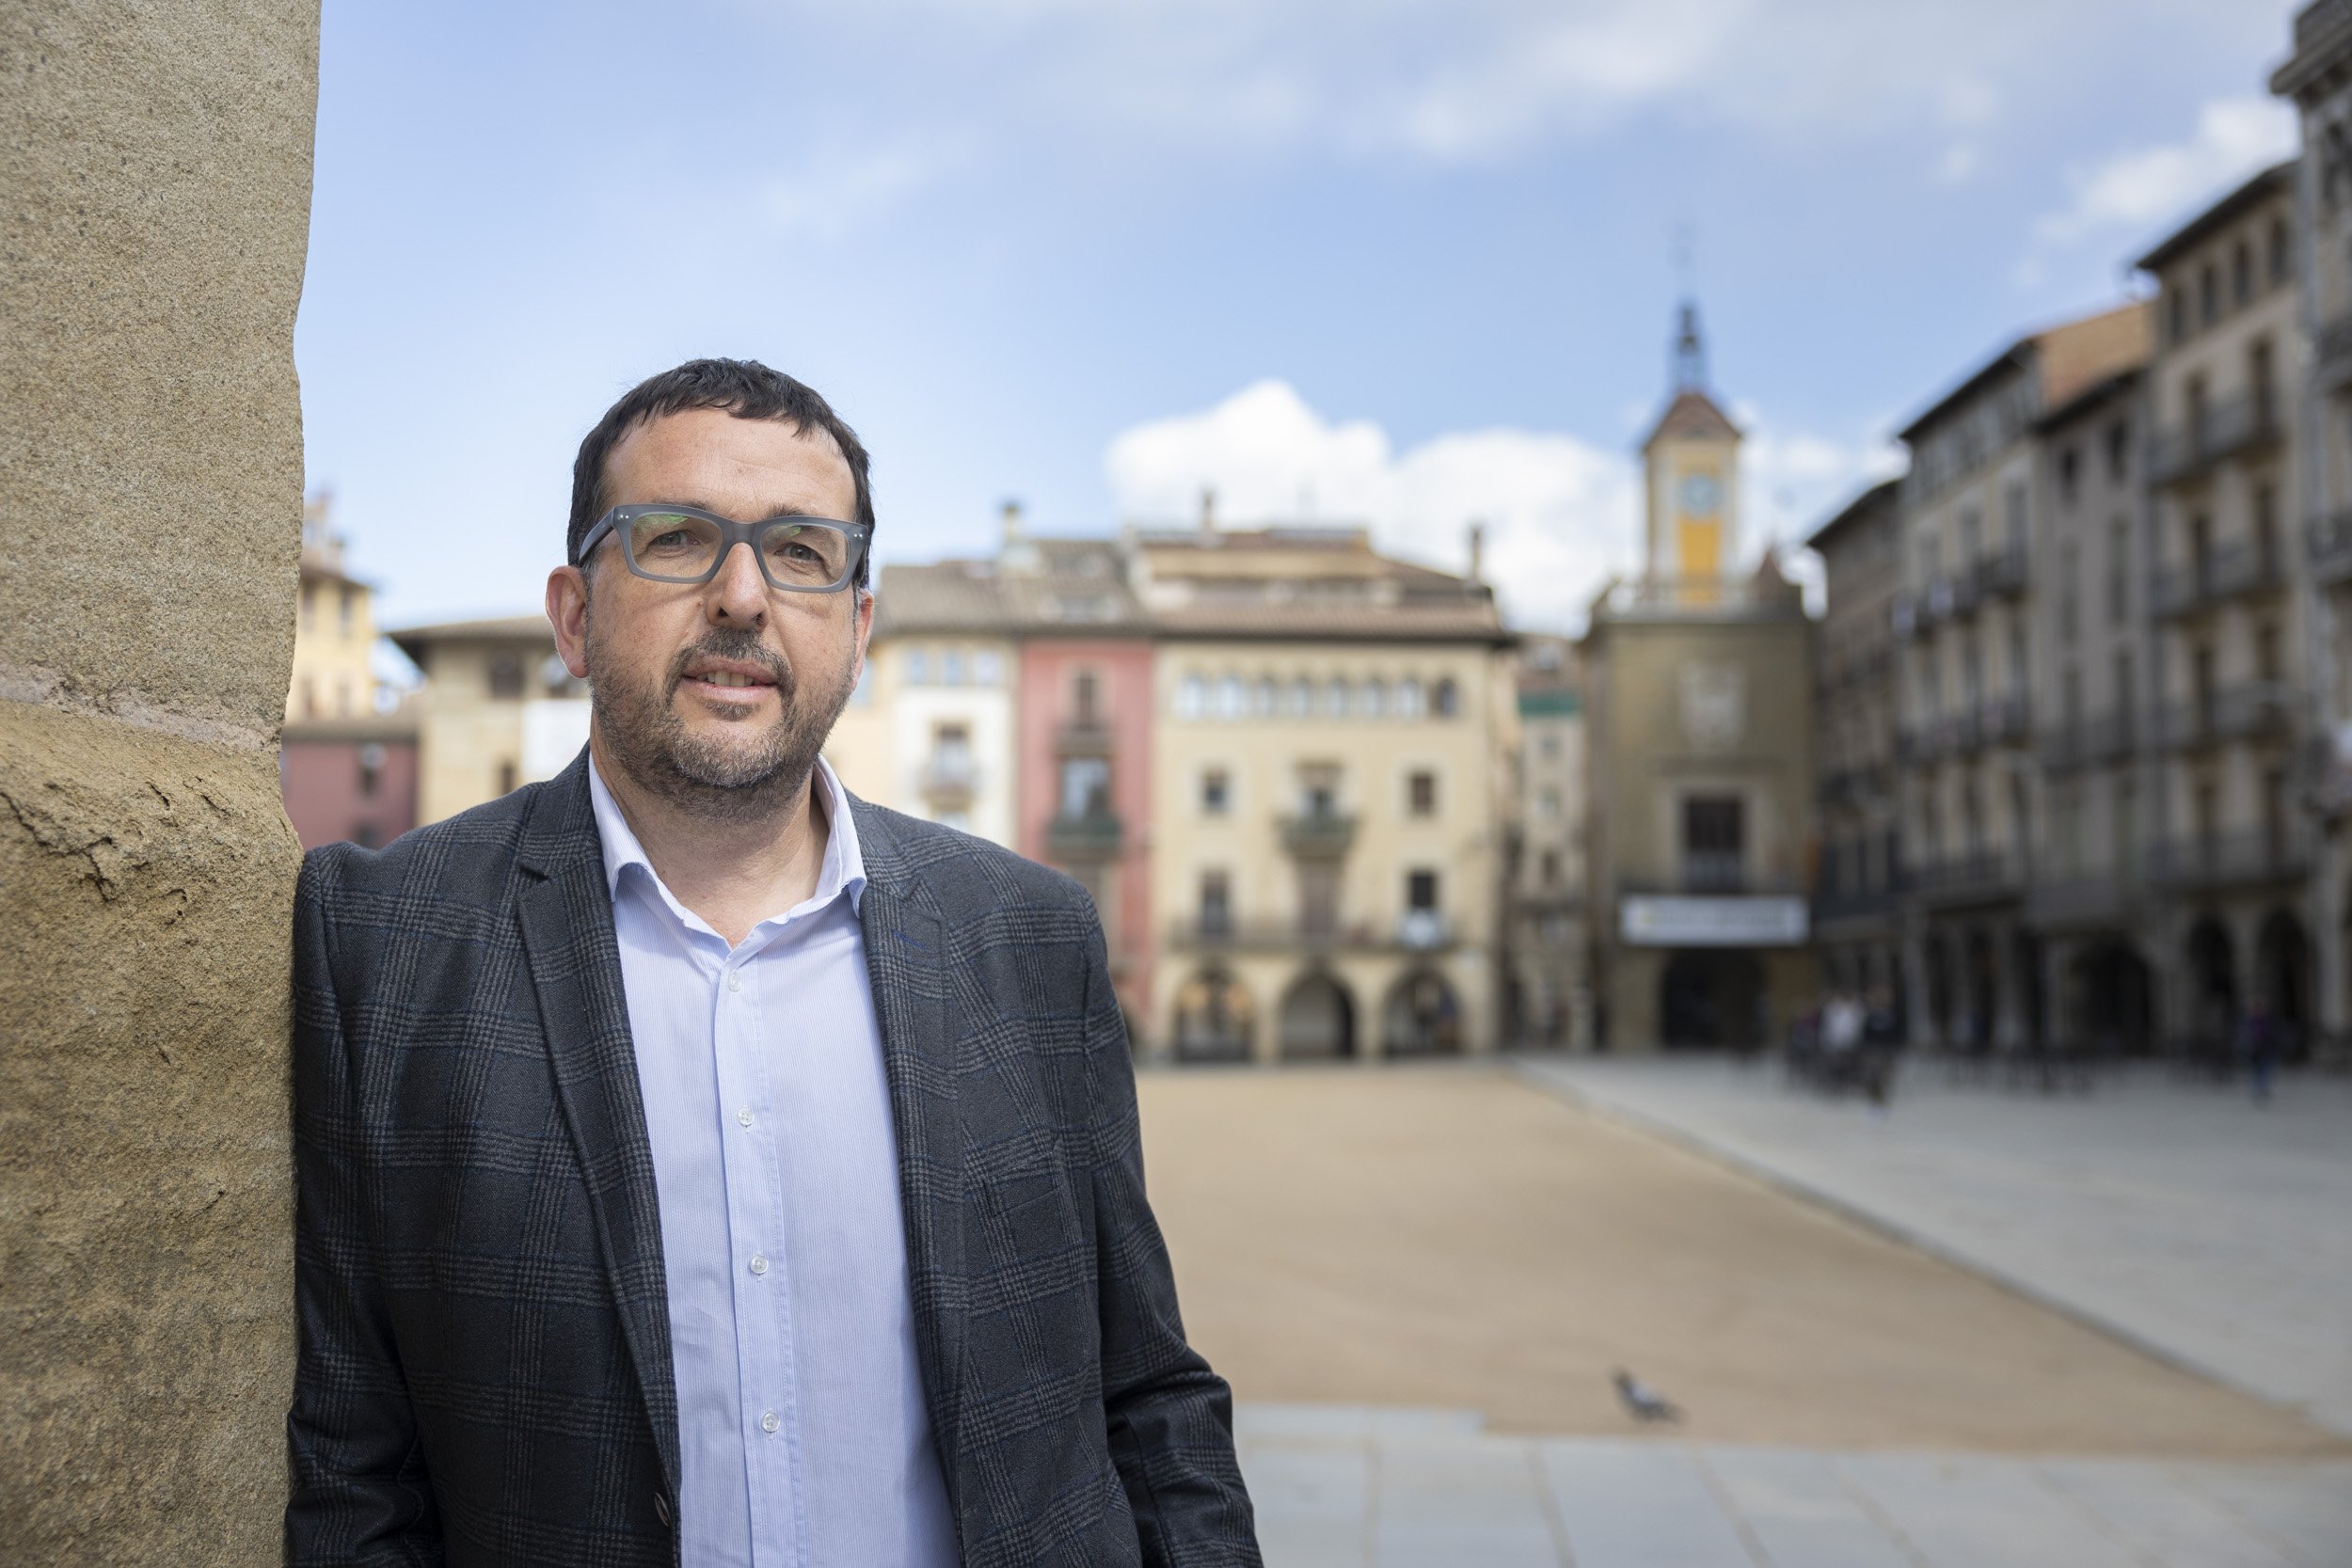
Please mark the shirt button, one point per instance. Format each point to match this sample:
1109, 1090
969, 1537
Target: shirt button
768, 1421
735, 979
759, 1262
743, 1118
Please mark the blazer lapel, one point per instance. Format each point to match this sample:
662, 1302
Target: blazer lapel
575, 965
906, 959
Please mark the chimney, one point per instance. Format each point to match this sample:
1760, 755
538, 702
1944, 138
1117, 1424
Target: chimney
1012, 523
1478, 552
1208, 509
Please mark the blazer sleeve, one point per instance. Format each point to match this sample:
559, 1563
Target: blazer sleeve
1168, 1418
359, 1493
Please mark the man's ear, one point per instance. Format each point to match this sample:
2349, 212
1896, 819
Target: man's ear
567, 613
865, 626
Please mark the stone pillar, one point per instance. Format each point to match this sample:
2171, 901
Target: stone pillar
157, 165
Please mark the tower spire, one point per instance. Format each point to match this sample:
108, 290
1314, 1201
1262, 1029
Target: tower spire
1689, 356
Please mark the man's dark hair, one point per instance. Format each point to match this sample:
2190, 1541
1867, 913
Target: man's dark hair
743, 388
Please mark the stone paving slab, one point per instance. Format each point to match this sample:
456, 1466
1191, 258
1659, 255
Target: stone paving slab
1353, 1487
2186, 1220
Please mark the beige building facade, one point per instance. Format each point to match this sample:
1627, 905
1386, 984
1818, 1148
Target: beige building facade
1547, 983
1861, 861
1699, 733
2233, 847
1327, 830
498, 709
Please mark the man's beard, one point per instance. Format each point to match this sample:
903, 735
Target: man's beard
699, 775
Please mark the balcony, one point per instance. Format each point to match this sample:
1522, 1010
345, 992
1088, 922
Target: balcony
2079, 901
2251, 711
1098, 835
1319, 835
2105, 739
2223, 574
2002, 572
948, 781
2222, 431
1984, 876
2329, 542
1083, 737
2258, 858
2332, 355
1417, 931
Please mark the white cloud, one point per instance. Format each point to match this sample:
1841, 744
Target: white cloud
1454, 80
1562, 514
2133, 190
842, 190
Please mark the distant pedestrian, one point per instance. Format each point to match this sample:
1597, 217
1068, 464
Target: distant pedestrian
2258, 1042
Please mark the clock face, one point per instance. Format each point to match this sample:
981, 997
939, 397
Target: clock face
1701, 495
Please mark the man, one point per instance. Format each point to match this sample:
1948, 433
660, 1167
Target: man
696, 1164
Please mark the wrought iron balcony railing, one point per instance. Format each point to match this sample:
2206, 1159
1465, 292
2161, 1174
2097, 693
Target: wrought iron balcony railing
2223, 429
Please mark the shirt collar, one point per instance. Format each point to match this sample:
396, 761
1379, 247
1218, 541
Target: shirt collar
843, 871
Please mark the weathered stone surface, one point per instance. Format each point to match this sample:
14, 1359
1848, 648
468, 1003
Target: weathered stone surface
146, 1331
157, 164
155, 160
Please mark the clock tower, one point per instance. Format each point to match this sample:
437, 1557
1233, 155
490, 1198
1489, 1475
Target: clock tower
1690, 464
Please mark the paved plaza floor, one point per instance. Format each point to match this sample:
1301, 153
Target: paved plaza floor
1418, 1280
1388, 1488
2182, 1217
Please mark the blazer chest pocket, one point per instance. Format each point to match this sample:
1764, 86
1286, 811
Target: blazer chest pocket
1030, 1216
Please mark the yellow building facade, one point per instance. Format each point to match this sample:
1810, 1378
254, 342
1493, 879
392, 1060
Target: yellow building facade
498, 709
1326, 825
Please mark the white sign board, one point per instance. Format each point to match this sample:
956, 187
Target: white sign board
554, 729
1660, 920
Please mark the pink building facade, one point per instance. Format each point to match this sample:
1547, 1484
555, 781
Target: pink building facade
354, 780
1083, 759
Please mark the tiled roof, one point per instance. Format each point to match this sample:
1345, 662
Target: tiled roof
509, 628
1692, 413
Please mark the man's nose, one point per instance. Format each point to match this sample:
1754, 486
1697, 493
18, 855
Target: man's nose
739, 593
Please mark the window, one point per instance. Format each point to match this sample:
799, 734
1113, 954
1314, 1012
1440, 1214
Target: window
2208, 295
1548, 748
1375, 700
1550, 863
2118, 450
1264, 698
1299, 699
951, 754
347, 611
1447, 699
2266, 663
1319, 789
2242, 274
1548, 805
2119, 570
1192, 697
2017, 656
1217, 792
343, 696
918, 667
2281, 257
1216, 904
1086, 695
1410, 703
1335, 699
951, 668
1421, 792
2176, 313
2126, 697
2013, 517
1713, 842
1318, 898
2266, 525
2069, 565
506, 677
1971, 536
1232, 701
371, 768
1086, 789
1421, 892
988, 668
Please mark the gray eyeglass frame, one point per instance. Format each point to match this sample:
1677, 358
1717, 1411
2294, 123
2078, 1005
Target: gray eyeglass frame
731, 533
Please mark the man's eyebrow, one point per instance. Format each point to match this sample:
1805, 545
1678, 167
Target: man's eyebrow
791, 511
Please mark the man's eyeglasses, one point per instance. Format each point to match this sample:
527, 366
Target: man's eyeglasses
685, 543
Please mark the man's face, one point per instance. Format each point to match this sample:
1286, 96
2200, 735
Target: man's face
718, 696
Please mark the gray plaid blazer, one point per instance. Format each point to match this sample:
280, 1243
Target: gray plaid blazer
485, 1365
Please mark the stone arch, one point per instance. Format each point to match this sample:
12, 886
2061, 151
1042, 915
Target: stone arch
1422, 1016
2282, 973
1710, 996
2211, 975
1214, 1019
1316, 1020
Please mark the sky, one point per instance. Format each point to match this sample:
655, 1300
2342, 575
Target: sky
1406, 264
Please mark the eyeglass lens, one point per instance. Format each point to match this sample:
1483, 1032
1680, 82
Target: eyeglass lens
683, 549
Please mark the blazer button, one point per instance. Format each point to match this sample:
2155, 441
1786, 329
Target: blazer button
661, 1507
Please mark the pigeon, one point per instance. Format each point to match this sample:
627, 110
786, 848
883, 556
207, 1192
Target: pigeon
1642, 1402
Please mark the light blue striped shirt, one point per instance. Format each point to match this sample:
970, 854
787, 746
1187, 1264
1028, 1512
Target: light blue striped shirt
802, 1427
